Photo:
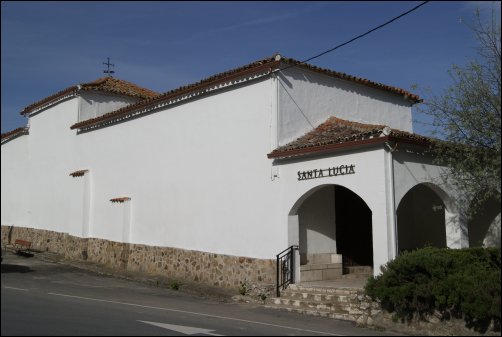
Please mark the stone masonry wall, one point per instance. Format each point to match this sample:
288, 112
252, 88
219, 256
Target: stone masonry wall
214, 269
358, 307
209, 268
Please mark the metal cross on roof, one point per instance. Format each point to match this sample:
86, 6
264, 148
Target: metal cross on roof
108, 64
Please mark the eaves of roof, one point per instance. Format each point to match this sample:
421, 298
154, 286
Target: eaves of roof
14, 133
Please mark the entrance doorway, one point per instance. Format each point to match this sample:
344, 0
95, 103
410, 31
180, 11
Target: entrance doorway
334, 225
353, 230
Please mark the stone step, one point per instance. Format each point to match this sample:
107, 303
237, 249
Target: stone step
295, 287
317, 297
320, 258
339, 303
320, 272
320, 266
358, 276
358, 270
311, 305
320, 313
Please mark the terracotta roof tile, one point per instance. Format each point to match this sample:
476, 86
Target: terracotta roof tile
14, 133
270, 64
339, 133
48, 100
121, 87
104, 84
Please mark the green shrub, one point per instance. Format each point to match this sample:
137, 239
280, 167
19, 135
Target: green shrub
175, 285
456, 282
244, 287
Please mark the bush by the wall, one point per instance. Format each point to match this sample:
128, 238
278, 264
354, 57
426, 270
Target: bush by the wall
455, 282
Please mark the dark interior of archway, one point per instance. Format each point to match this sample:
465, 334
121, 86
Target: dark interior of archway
421, 220
353, 228
481, 220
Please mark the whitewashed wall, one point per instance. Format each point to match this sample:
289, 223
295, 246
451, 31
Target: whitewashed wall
197, 175
307, 99
95, 104
15, 182
369, 182
317, 223
411, 169
53, 150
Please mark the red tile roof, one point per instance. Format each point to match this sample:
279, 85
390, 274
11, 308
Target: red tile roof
121, 87
14, 133
105, 84
266, 65
338, 133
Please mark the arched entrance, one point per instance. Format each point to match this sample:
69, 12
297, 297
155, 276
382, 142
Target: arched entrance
484, 224
421, 219
334, 225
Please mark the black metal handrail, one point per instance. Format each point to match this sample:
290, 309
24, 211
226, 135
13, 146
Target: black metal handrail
285, 264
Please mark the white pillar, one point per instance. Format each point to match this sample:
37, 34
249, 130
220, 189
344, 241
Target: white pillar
294, 239
457, 235
380, 227
390, 201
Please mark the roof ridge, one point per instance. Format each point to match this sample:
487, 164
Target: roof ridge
98, 81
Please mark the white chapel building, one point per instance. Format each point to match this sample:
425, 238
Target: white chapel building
210, 181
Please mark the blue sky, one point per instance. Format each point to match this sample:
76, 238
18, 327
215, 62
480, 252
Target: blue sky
49, 46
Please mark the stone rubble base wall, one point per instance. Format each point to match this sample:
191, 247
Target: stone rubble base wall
356, 306
209, 268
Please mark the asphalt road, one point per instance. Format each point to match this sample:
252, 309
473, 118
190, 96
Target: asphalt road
43, 298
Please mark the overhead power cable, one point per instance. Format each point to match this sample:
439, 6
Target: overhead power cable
359, 36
